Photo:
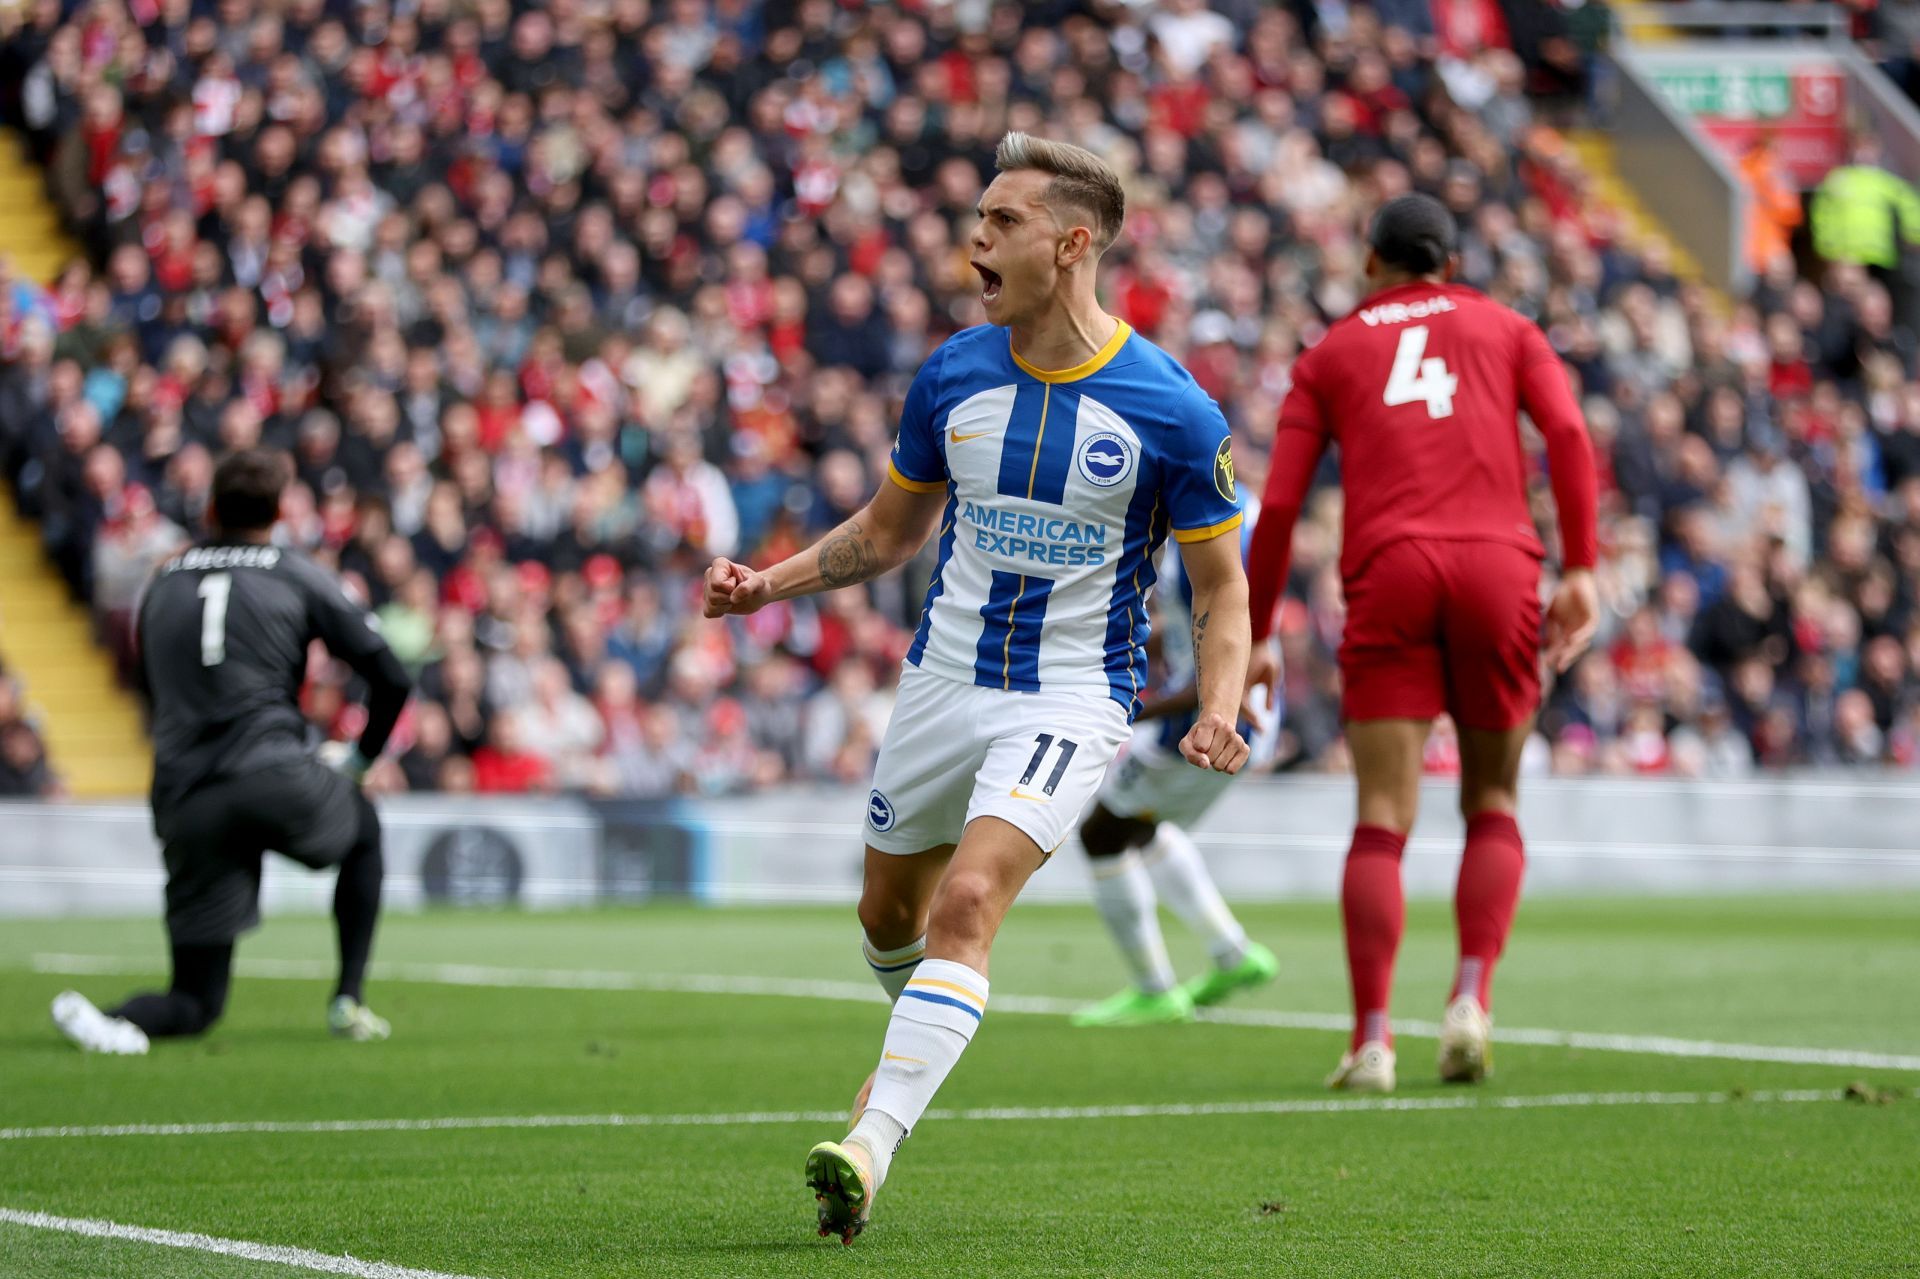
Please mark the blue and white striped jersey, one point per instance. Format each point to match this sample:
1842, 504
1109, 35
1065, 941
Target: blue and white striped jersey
1061, 487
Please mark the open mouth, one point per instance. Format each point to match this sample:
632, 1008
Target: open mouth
989, 283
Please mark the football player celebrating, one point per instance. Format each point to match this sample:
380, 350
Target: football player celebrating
1055, 450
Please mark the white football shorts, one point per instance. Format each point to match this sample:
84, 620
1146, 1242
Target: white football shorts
954, 752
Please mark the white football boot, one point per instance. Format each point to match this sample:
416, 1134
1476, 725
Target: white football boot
1466, 1048
348, 1018
92, 1030
1367, 1069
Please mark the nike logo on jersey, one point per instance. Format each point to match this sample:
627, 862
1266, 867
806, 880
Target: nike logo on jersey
891, 1056
954, 437
1038, 799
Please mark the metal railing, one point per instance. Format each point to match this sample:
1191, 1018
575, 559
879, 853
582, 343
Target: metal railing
1745, 19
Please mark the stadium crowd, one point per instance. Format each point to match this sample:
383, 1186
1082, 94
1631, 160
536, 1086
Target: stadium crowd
552, 303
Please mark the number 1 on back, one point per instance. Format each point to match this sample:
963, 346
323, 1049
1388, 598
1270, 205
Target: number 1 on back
215, 588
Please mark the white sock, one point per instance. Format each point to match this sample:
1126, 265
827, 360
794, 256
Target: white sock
933, 1022
881, 1134
1184, 884
892, 968
1123, 891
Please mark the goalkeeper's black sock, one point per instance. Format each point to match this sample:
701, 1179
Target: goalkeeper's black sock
356, 903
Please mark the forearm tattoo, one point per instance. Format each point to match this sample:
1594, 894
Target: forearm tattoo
848, 556
1199, 641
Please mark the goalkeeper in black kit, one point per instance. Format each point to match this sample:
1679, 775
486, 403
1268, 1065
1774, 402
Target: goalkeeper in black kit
223, 631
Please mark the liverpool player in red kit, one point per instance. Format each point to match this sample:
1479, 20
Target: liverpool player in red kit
1422, 388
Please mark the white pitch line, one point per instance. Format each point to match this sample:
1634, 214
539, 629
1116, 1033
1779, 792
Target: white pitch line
860, 992
298, 1258
764, 1118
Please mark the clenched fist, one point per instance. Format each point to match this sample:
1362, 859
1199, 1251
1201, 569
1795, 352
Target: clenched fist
734, 588
1214, 743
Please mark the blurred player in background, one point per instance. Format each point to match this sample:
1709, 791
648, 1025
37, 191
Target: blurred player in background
1055, 450
223, 633
1421, 387
1136, 837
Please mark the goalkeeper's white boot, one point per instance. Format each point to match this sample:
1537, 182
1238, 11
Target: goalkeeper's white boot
92, 1030
1466, 1050
1368, 1068
348, 1018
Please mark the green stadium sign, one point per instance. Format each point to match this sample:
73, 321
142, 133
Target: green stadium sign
1729, 93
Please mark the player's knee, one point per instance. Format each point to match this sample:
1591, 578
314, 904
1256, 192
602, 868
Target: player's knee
367, 837
1106, 834
888, 920
963, 909
1388, 810
199, 1011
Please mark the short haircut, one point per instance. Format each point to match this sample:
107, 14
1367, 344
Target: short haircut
1081, 179
246, 489
1415, 233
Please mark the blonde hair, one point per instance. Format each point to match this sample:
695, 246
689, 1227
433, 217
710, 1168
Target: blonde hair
1080, 179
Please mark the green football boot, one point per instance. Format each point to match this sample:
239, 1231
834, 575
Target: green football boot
840, 1174
1256, 968
1133, 1007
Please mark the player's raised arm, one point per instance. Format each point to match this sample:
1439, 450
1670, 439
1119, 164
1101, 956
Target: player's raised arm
1574, 613
882, 535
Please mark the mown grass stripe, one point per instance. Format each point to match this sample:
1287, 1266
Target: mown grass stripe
762, 1118
861, 992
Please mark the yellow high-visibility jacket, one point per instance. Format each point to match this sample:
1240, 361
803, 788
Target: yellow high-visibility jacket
1862, 213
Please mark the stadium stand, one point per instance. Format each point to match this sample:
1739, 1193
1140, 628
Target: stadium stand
553, 303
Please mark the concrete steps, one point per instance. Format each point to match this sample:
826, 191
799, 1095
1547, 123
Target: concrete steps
31, 235
1594, 150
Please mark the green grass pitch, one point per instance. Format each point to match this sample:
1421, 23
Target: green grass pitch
1739, 1184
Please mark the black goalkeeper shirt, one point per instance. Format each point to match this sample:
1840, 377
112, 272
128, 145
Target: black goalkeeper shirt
223, 632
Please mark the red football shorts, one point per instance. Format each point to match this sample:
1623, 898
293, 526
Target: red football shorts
1444, 626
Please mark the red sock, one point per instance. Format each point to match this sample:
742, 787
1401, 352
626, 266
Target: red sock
1484, 900
1374, 910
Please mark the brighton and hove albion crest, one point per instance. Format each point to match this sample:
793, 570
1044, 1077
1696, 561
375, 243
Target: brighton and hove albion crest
1106, 459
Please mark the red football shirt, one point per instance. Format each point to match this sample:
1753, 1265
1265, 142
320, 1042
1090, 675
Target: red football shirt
1422, 388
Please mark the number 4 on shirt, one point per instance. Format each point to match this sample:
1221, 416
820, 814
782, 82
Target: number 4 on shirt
1414, 379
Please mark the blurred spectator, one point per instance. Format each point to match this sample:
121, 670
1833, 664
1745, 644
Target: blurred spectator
560, 726
1775, 210
1863, 214
24, 770
132, 540
505, 765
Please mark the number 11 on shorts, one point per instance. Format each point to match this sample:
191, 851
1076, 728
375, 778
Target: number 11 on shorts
1043, 743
